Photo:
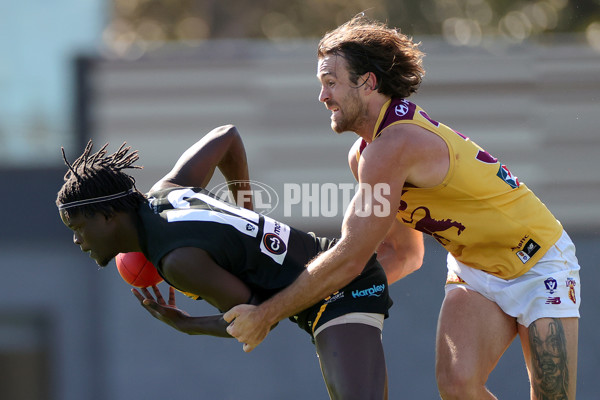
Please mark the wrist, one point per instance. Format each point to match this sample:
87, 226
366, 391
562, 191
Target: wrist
267, 313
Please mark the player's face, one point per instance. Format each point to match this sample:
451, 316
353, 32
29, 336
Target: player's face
94, 235
340, 95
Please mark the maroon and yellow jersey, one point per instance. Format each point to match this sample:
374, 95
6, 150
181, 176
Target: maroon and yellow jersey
480, 213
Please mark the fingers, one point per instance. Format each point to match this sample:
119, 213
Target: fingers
146, 299
243, 328
248, 348
147, 293
230, 315
159, 298
138, 295
171, 296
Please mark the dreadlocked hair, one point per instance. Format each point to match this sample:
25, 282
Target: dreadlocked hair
97, 174
370, 46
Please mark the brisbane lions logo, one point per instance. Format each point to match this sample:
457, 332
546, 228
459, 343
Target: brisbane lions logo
431, 226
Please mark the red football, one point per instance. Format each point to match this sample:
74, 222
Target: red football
136, 270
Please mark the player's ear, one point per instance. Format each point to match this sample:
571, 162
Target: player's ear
111, 216
371, 81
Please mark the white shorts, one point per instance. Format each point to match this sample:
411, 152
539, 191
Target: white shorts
550, 289
372, 319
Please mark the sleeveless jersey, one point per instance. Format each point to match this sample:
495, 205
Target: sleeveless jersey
481, 213
265, 254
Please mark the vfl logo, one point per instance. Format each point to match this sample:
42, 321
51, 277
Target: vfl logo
274, 244
431, 226
551, 285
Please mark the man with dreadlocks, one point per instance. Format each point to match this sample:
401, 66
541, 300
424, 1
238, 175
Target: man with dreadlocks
224, 254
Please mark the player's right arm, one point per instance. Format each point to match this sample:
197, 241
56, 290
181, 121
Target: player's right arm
220, 148
402, 250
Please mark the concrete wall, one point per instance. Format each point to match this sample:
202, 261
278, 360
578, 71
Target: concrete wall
535, 107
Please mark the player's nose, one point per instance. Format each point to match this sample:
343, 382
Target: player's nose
323, 95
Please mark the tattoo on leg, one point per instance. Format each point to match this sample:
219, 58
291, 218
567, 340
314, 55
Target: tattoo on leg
550, 377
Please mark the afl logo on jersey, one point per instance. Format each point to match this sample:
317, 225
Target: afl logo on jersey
274, 244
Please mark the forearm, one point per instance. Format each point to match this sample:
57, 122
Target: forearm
326, 274
213, 325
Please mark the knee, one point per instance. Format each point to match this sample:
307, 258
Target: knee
458, 383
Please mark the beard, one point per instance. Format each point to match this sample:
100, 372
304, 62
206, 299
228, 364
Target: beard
350, 116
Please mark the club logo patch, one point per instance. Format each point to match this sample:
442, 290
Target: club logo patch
275, 239
571, 285
274, 244
505, 174
528, 251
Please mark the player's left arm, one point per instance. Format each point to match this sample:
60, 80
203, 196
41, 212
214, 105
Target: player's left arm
401, 252
221, 148
177, 318
192, 270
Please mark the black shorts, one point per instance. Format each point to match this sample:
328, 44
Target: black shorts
368, 293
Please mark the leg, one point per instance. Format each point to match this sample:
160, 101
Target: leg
352, 362
473, 333
550, 350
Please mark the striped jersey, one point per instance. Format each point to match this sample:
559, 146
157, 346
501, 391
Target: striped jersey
266, 254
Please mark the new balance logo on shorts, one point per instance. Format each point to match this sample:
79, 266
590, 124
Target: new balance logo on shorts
553, 300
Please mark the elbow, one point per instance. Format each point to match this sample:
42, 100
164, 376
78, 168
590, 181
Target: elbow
413, 265
230, 130
401, 265
227, 133
415, 260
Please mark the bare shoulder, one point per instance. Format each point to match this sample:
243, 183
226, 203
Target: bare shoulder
352, 157
418, 154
